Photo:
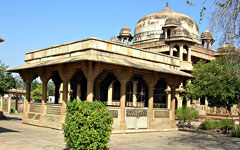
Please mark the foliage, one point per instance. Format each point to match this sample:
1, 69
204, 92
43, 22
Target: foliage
6, 79
186, 114
236, 132
224, 19
87, 125
224, 125
36, 94
218, 81
19, 83
51, 88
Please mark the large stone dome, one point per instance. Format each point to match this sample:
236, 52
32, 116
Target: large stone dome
149, 28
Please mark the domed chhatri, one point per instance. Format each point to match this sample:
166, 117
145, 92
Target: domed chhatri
150, 28
180, 32
207, 35
207, 39
226, 48
125, 34
171, 22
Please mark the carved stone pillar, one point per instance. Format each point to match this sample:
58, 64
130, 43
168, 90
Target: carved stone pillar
150, 105
90, 81
9, 103
181, 53
27, 99
78, 91
44, 98
173, 90
110, 94
16, 103
123, 83
134, 93
65, 74
171, 50
189, 54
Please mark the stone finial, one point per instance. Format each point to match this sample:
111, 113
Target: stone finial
167, 5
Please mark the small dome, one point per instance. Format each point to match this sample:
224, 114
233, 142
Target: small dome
180, 32
1, 40
206, 35
228, 47
115, 40
125, 31
171, 22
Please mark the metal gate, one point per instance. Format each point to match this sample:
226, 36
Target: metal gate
136, 118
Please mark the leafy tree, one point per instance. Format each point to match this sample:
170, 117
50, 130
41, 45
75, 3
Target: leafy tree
19, 83
36, 94
6, 79
218, 81
224, 19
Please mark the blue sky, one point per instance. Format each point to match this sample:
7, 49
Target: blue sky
28, 25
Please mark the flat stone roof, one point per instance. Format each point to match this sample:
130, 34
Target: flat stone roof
98, 50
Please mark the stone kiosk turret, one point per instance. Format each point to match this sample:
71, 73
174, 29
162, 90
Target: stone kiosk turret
125, 34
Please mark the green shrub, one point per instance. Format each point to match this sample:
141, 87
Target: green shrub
236, 132
87, 125
186, 114
208, 124
224, 125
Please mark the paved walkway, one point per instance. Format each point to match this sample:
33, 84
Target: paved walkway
17, 136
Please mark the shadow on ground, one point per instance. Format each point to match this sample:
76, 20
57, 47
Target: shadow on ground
2, 130
206, 140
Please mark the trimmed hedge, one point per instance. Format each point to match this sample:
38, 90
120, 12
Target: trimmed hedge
87, 125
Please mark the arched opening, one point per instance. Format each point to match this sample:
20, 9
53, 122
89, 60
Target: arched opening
185, 52
202, 101
109, 90
160, 96
57, 84
36, 91
78, 86
137, 93
168, 33
176, 51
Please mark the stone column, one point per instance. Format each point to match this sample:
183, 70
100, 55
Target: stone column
181, 52
90, 82
123, 83
16, 104
9, 103
64, 100
189, 54
150, 106
168, 101
61, 93
134, 93
110, 93
1, 103
44, 98
79, 91
171, 50
165, 34
27, 99
173, 90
